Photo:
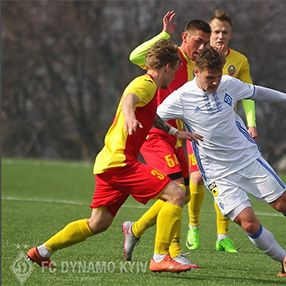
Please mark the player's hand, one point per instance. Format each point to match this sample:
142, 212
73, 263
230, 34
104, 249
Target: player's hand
168, 23
131, 125
189, 136
253, 133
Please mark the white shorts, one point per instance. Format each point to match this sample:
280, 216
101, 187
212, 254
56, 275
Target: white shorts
257, 179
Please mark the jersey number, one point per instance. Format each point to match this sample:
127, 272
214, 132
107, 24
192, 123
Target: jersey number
158, 174
171, 160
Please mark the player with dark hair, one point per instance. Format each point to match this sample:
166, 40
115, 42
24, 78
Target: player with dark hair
160, 150
228, 158
237, 66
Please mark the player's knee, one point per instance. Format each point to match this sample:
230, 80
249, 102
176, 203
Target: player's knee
176, 195
179, 196
173, 194
100, 220
248, 220
98, 226
250, 226
196, 178
280, 204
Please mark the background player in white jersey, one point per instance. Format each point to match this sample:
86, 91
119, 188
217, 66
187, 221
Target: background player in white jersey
228, 157
236, 65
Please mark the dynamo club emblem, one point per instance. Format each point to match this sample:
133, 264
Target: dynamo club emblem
231, 70
228, 99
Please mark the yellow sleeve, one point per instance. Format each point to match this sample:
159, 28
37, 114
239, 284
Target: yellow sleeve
248, 104
143, 87
249, 109
138, 55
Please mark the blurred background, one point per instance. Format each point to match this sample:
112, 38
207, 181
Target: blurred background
65, 64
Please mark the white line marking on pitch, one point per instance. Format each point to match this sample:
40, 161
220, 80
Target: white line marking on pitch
68, 202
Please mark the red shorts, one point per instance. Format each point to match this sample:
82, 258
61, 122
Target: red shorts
193, 166
113, 187
161, 154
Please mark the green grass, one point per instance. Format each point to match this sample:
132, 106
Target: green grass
41, 197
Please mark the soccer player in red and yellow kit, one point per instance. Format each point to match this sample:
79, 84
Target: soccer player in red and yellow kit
161, 150
119, 174
237, 66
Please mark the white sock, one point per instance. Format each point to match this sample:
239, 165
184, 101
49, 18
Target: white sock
158, 257
265, 241
43, 251
221, 236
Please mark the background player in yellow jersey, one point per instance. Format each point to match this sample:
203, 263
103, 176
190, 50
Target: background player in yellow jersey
237, 66
161, 150
118, 174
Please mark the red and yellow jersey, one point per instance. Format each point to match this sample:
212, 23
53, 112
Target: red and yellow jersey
119, 147
184, 73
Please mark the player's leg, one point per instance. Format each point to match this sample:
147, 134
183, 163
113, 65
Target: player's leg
74, 232
77, 231
159, 153
223, 242
260, 180
168, 222
197, 192
175, 249
261, 237
280, 204
197, 189
159, 186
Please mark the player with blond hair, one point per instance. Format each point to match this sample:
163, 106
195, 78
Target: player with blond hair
119, 174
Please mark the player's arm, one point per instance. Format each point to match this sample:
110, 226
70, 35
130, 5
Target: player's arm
249, 110
262, 93
138, 55
129, 102
248, 105
180, 134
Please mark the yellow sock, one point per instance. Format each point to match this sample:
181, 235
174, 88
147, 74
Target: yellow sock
175, 247
147, 219
222, 222
74, 232
195, 203
168, 219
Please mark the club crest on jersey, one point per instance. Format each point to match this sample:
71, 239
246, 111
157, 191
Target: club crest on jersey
213, 189
231, 70
228, 99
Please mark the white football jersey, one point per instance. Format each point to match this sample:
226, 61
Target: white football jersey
227, 147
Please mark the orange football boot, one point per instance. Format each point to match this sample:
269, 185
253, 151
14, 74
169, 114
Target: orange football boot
167, 264
34, 256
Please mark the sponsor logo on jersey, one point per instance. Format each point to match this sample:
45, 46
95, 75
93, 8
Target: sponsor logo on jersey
213, 189
231, 70
197, 109
228, 99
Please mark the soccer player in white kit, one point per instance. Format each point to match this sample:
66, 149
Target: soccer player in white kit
229, 159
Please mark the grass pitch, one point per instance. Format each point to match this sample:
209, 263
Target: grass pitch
41, 197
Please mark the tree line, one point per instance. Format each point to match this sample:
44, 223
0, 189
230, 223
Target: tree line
65, 64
